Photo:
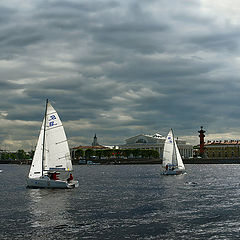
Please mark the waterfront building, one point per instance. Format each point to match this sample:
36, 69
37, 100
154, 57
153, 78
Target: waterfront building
156, 142
219, 149
95, 146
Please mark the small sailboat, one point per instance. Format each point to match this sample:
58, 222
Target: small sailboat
51, 166
172, 160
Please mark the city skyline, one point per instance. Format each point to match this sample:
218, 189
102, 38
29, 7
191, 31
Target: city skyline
119, 68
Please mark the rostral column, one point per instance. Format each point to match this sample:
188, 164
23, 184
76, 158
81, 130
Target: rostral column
201, 135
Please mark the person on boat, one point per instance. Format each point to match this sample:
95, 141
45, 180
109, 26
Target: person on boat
166, 167
70, 177
54, 176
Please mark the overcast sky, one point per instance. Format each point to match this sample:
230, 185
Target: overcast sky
119, 68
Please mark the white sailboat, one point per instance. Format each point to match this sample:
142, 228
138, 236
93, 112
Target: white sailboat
51, 166
172, 160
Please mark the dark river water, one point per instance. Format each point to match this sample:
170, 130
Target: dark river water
124, 202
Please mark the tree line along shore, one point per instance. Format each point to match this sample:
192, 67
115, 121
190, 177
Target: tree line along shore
111, 156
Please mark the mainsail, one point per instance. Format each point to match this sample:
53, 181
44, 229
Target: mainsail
57, 154
168, 151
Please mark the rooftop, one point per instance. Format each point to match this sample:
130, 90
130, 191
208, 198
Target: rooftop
91, 147
156, 135
222, 142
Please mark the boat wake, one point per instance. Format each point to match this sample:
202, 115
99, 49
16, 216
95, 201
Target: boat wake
191, 183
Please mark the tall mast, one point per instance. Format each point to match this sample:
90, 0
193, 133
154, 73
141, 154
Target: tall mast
44, 131
174, 155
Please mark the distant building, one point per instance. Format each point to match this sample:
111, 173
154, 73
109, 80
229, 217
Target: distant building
95, 142
95, 146
201, 146
156, 142
222, 149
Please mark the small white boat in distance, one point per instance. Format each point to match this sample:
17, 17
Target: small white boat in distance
51, 166
172, 160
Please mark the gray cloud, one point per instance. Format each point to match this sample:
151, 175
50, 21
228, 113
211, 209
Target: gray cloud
117, 69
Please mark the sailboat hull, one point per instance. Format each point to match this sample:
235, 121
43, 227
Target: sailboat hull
173, 172
47, 183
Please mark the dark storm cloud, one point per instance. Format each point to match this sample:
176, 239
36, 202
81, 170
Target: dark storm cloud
163, 69
71, 16
6, 14
117, 68
225, 41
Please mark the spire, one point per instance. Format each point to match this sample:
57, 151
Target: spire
95, 143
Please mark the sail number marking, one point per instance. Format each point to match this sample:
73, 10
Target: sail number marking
51, 121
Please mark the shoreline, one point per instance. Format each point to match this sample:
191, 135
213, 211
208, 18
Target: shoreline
121, 161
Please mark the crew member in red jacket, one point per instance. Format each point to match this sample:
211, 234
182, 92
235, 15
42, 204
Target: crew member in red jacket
70, 178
